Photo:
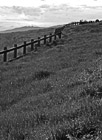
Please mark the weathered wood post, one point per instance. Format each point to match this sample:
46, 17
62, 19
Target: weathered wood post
32, 44
50, 38
44, 39
24, 48
60, 35
5, 54
15, 50
39, 41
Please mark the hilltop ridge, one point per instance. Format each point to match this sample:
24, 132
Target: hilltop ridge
21, 29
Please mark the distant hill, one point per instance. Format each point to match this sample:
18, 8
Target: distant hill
27, 28
21, 29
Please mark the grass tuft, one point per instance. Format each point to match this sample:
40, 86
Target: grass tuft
92, 92
42, 75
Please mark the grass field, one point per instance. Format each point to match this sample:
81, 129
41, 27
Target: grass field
56, 91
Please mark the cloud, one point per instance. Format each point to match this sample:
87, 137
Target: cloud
48, 15
65, 13
19, 13
27, 10
90, 7
56, 14
45, 6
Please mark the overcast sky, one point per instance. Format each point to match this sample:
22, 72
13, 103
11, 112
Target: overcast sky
15, 13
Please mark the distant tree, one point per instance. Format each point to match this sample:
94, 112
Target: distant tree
90, 21
83, 22
97, 20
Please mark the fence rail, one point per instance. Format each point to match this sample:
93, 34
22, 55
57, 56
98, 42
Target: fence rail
24, 46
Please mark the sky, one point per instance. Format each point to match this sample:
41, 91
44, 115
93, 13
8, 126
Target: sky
44, 13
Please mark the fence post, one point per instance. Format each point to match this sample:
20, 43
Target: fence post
50, 37
60, 35
39, 41
44, 39
32, 44
24, 48
15, 50
5, 54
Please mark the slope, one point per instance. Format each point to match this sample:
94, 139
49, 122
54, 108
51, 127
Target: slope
56, 91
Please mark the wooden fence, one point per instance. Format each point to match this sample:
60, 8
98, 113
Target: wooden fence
33, 47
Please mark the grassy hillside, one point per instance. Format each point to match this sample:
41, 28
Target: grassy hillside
56, 91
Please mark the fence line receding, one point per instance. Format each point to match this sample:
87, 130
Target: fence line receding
32, 45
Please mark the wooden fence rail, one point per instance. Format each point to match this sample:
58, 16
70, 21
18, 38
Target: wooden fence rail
24, 46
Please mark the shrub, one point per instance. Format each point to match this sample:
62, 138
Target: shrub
41, 75
97, 20
89, 91
77, 132
77, 83
92, 92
